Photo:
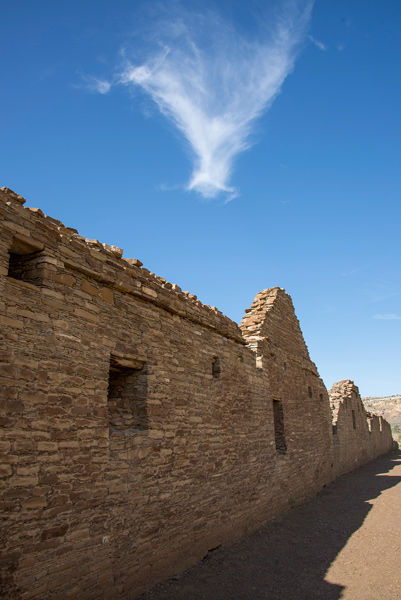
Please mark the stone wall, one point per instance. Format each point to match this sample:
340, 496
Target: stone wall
140, 428
358, 436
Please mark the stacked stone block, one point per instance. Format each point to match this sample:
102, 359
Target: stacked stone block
358, 436
140, 428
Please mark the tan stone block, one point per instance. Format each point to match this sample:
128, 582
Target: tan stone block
86, 315
5, 446
116, 489
89, 288
5, 471
24, 445
26, 362
52, 293
69, 444
78, 534
8, 370
98, 255
10, 406
149, 292
65, 279
166, 452
195, 419
47, 446
33, 397
34, 503
106, 295
25, 481
32, 470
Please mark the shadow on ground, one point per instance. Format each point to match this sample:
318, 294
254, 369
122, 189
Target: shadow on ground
288, 558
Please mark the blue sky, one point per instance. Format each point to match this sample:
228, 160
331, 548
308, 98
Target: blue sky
229, 146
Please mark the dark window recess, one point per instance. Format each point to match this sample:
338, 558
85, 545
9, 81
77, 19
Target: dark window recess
353, 419
285, 366
127, 397
334, 429
26, 260
310, 392
279, 433
321, 397
216, 367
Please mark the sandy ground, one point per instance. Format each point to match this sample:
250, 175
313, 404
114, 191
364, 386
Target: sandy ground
345, 543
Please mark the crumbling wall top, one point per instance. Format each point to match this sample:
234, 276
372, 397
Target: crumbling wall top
105, 263
272, 319
341, 392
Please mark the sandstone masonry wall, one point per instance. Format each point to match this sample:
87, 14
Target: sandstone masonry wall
358, 436
140, 428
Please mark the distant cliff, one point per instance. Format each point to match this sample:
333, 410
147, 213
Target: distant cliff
388, 407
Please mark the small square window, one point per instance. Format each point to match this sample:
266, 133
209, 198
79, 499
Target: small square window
127, 395
25, 260
216, 371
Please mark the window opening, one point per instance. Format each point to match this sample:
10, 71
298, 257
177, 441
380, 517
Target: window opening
279, 434
127, 395
334, 429
321, 397
25, 260
216, 371
353, 419
285, 366
310, 392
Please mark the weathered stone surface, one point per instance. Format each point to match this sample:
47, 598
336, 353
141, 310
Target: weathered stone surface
358, 436
141, 428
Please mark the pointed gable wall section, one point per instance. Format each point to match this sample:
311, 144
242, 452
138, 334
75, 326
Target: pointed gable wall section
270, 326
295, 394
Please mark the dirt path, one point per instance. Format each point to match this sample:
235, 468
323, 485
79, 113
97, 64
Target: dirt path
345, 543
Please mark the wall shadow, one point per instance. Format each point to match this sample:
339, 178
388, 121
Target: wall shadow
288, 558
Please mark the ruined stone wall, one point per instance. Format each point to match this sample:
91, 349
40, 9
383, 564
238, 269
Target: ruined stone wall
292, 379
358, 436
140, 428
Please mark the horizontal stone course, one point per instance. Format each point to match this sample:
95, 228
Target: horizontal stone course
139, 427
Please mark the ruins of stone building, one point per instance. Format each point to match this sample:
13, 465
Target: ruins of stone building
139, 428
358, 436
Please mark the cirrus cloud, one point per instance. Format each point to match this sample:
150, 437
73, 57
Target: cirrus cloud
213, 82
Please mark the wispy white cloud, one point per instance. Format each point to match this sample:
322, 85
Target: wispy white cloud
350, 272
212, 82
389, 317
96, 84
318, 44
